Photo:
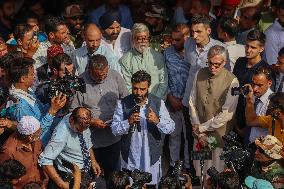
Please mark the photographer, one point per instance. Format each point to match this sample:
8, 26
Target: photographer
275, 111
258, 96
142, 120
279, 72
60, 65
22, 76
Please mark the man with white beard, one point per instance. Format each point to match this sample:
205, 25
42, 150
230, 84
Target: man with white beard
143, 57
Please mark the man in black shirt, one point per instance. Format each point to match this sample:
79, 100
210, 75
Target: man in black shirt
244, 70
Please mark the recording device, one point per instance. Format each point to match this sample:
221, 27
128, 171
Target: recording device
244, 90
201, 155
139, 178
224, 179
175, 176
214, 174
136, 109
4, 97
234, 155
7, 112
67, 85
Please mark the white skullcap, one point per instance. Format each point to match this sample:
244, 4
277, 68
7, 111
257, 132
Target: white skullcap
28, 125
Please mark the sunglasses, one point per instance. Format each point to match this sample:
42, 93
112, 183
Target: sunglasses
77, 17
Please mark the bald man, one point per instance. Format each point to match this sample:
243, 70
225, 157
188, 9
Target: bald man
80, 57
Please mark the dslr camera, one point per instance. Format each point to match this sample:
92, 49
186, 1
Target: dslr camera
227, 179
139, 178
244, 90
67, 85
175, 176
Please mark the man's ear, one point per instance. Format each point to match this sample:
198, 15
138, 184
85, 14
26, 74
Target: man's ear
209, 30
51, 35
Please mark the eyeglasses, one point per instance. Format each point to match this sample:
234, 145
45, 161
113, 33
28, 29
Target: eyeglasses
84, 119
142, 39
216, 65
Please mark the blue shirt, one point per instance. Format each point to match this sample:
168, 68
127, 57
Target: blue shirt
37, 110
178, 70
65, 144
274, 42
126, 18
80, 58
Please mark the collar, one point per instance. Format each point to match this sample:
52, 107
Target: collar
93, 82
85, 51
266, 95
205, 48
231, 42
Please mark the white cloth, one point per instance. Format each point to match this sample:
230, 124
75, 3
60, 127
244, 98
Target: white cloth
40, 55
260, 110
28, 125
121, 45
235, 51
19, 93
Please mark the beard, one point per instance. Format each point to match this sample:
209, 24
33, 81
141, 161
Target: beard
140, 98
141, 48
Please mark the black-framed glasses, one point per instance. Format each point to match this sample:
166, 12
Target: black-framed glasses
77, 17
142, 39
216, 65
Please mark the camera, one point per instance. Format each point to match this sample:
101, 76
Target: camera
240, 90
174, 177
225, 179
67, 85
201, 155
136, 109
139, 178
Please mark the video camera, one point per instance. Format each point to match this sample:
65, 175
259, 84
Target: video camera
240, 90
139, 178
175, 177
234, 155
229, 179
67, 85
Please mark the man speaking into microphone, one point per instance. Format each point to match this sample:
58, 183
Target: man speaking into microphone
143, 120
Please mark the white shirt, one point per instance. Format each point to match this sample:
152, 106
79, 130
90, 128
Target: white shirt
235, 51
260, 110
228, 109
40, 55
121, 45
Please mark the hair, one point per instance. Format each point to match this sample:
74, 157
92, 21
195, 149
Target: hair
32, 185
30, 15
265, 70
21, 30
200, 19
7, 59
98, 62
229, 25
205, 4
6, 185
169, 183
180, 27
75, 113
60, 59
19, 68
141, 76
281, 52
218, 50
276, 102
51, 24
138, 28
229, 180
118, 180
2, 2
12, 169
256, 35
280, 4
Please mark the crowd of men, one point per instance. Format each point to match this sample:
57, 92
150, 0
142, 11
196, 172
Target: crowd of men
90, 89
